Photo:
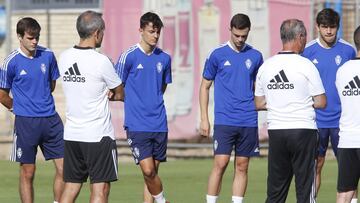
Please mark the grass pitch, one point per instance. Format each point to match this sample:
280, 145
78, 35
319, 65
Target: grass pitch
184, 181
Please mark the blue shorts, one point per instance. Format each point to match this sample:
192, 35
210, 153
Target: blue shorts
148, 144
324, 135
245, 140
31, 132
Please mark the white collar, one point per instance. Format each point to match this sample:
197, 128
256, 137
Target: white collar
141, 49
233, 48
22, 53
318, 41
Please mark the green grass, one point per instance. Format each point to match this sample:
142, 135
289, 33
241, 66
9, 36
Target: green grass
184, 182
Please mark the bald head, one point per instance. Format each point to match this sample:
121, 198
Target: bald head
89, 22
290, 29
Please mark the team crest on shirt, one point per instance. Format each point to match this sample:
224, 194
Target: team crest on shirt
43, 68
338, 59
159, 67
19, 152
248, 63
215, 145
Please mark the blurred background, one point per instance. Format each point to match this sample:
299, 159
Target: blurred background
192, 28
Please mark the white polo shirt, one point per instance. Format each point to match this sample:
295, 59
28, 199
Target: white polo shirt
288, 81
348, 87
87, 77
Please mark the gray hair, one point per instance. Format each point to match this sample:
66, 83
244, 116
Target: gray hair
290, 29
89, 22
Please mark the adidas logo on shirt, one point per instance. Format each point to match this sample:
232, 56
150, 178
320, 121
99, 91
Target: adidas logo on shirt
23, 72
140, 66
280, 81
352, 89
73, 75
315, 61
227, 63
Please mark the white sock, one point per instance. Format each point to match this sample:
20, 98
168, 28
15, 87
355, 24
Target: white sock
354, 200
159, 198
211, 199
56, 202
237, 199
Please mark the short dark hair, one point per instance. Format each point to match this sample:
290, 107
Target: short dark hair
153, 18
328, 17
29, 25
290, 29
89, 22
240, 21
357, 38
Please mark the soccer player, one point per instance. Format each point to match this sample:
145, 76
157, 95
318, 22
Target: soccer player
289, 87
328, 53
348, 86
145, 71
233, 67
90, 147
30, 74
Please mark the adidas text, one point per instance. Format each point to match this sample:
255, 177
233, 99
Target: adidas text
351, 92
73, 78
281, 85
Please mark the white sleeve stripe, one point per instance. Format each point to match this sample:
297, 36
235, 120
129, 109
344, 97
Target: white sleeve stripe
3, 78
311, 43
218, 47
347, 43
120, 70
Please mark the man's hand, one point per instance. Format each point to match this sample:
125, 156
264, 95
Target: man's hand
205, 128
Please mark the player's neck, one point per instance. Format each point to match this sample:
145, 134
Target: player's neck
27, 52
148, 49
236, 48
326, 44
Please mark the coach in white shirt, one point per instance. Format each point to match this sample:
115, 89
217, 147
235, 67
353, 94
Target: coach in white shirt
289, 87
90, 147
348, 87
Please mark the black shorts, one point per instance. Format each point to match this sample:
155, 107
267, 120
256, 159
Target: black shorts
349, 169
97, 160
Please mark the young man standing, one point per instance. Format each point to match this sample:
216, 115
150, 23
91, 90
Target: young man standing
233, 67
289, 87
348, 86
90, 147
328, 53
145, 71
30, 74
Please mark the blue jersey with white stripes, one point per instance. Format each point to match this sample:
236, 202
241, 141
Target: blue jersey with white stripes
234, 75
144, 77
327, 61
29, 80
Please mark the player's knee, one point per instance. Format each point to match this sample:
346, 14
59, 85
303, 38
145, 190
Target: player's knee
241, 168
27, 173
149, 174
220, 166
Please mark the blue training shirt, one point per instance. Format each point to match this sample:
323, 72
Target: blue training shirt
144, 77
327, 61
234, 74
29, 80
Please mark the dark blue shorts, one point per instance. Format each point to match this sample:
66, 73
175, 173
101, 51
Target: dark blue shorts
324, 135
31, 132
245, 140
148, 144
